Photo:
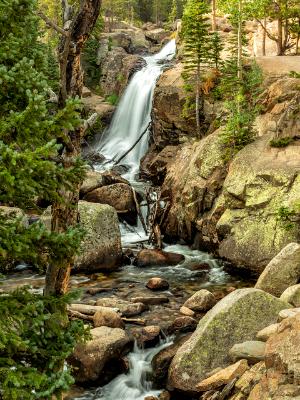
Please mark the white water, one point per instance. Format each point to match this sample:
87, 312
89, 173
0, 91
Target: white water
133, 114
135, 385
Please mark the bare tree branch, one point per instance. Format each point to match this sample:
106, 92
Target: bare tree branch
88, 123
52, 24
270, 36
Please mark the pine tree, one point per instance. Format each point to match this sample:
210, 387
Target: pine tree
216, 48
34, 341
196, 50
174, 12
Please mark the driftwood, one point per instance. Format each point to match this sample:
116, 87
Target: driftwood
78, 315
134, 144
89, 310
138, 209
137, 321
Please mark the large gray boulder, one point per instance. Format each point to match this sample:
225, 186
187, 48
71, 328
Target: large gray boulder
236, 318
282, 271
101, 247
90, 359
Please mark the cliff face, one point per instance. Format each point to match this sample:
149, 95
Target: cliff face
231, 209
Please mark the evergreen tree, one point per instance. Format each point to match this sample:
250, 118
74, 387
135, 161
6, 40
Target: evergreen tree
174, 12
216, 48
34, 341
196, 50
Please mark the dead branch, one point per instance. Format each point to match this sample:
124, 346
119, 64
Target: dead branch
88, 123
134, 144
89, 310
51, 24
138, 321
138, 209
77, 315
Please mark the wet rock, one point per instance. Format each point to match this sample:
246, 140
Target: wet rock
182, 325
283, 271
187, 311
165, 395
91, 360
118, 195
200, 267
101, 246
291, 312
151, 398
107, 318
157, 283
126, 308
223, 377
147, 336
236, 318
152, 257
162, 360
150, 300
253, 351
292, 295
202, 300
265, 333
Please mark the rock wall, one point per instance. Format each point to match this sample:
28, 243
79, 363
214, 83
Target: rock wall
233, 209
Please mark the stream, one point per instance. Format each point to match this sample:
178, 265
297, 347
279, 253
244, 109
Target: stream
131, 119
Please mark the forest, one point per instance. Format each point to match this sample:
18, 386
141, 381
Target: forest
149, 199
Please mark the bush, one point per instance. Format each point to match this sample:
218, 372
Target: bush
283, 142
112, 99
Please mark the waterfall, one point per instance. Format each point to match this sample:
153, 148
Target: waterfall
133, 114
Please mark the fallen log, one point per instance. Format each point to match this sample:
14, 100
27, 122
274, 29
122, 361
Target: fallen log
78, 315
90, 310
137, 321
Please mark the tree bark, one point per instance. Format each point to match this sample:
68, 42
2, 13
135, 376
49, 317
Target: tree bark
264, 38
198, 93
214, 16
240, 41
279, 40
65, 215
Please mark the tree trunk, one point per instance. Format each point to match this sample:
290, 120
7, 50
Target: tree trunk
214, 17
279, 40
264, 38
65, 215
240, 41
198, 94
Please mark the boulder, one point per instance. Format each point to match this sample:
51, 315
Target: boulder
162, 360
153, 257
265, 333
108, 318
253, 351
118, 195
126, 308
202, 300
146, 337
282, 271
90, 360
183, 325
92, 181
288, 313
157, 283
260, 180
282, 355
292, 295
223, 377
187, 311
156, 35
236, 318
248, 380
101, 246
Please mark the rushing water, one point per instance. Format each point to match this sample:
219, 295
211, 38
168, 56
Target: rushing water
135, 385
133, 114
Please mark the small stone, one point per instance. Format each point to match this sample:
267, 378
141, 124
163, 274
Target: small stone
223, 377
187, 311
154, 257
108, 318
202, 300
157, 284
265, 333
290, 312
151, 300
165, 395
183, 324
292, 295
200, 267
151, 398
147, 336
252, 350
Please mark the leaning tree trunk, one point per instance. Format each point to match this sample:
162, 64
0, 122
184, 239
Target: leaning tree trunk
264, 38
240, 41
64, 216
279, 40
198, 94
214, 16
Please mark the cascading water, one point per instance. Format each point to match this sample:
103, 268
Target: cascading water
133, 115
135, 385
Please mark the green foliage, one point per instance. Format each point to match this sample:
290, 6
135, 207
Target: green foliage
35, 339
112, 99
216, 47
294, 74
286, 216
283, 142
